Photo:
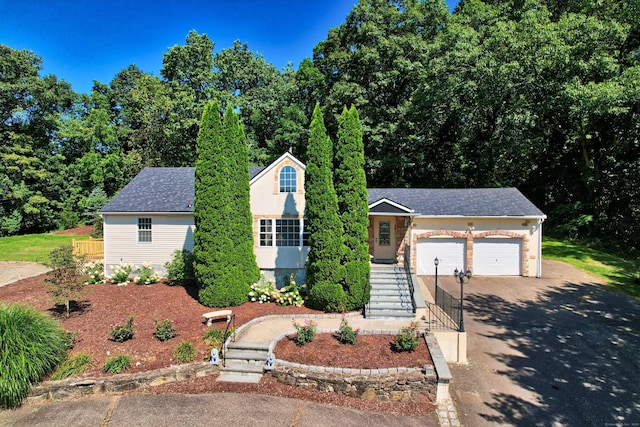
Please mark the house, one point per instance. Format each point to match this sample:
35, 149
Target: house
492, 231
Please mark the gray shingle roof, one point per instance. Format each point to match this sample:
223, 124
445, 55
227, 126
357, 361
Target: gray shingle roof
459, 202
172, 190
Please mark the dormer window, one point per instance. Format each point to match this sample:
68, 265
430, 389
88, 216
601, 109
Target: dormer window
288, 180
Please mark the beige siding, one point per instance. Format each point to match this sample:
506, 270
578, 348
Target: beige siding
169, 232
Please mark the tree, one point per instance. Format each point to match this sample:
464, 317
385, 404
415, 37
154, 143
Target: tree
325, 272
223, 277
66, 281
353, 207
241, 227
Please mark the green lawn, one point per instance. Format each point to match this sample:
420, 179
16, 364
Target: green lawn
33, 247
617, 272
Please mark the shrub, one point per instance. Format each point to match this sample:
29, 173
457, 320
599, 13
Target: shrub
305, 333
72, 366
180, 268
31, 345
95, 271
407, 338
185, 352
262, 291
123, 330
346, 334
117, 364
120, 273
70, 339
222, 296
213, 337
327, 296
146, 275
165, 329
290, 294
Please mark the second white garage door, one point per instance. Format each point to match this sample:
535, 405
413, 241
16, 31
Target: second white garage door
450, 253
497, 257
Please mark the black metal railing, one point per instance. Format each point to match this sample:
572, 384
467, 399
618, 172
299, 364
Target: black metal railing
229, 331
407, 270
446, 313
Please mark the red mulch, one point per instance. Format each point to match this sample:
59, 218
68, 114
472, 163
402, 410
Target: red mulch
83, 230
106, 304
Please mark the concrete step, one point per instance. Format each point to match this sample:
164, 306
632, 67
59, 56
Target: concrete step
390, 292
391, 299
391, 307
237, 354
246, 345
394, 315
232, 377
243, 367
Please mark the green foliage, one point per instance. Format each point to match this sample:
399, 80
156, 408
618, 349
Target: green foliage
287, 295
346, 334
95, 273
180, 268
31, 345
165, 329
70, 339
120, 273
407, 339
214, 337
353, 208
122, 330
145, 275
185, 352
305, 332
326, 246
71, 366
224, 263
65, 280
117, 364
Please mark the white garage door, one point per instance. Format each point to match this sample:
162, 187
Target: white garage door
450, 254
497, 257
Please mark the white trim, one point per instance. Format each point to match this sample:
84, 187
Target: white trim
480, 217
392, 203
136, 213
266, 170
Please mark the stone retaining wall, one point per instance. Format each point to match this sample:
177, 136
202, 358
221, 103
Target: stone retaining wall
75, 387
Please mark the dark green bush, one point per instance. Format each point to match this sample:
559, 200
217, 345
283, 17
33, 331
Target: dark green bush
327, 296
72, 366
117, 364
185, 352
217, 295
31, 345
180, 268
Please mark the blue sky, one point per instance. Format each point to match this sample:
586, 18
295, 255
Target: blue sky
83, 40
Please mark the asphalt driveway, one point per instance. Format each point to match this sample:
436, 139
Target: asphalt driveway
561, 350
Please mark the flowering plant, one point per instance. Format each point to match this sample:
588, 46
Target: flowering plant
120, 273
262, 291
95, 272
146, 275
123, 330
346, 334
165, 329
305, 332
407, 338
288, 295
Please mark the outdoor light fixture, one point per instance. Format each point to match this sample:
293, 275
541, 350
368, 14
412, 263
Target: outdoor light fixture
461, 275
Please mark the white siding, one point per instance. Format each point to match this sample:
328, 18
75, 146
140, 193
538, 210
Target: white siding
169, 232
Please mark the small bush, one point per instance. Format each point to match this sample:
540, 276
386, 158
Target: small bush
146, 275
117, 364
95, 271
72, 366
123, 330
32, 344
65, 278
180, 268
120, 273
185, 352
407, 338
213, 337
262, 291
346, 334
327, 296
70, 339
165, 329
305, 333
217, 295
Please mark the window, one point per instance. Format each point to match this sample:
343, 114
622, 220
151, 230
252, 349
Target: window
144, 230
283, 232
288, 183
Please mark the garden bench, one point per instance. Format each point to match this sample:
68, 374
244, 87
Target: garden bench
210, 316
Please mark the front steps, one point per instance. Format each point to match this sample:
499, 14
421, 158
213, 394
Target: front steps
390, 294
244, 362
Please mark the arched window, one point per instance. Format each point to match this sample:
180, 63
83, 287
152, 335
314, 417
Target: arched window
288, 182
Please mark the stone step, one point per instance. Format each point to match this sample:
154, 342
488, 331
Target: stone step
390, 292
391, 307
233, 377
246, 345
396, 315
391, 299
240, 367
236, 354
389, 286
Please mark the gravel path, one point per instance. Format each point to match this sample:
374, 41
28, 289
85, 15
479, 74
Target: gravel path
12, 271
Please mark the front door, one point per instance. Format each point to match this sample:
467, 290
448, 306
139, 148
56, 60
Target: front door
384, 242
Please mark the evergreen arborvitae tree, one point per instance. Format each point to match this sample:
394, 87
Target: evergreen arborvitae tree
325, 273
216, 263
351, 189
241, 229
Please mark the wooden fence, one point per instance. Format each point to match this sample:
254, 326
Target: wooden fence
91, 250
